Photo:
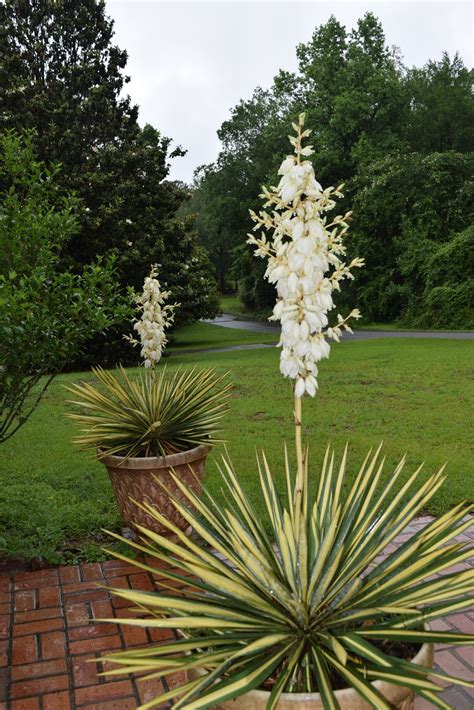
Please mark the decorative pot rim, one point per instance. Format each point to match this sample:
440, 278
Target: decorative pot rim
153, 462
423, 657
425, 650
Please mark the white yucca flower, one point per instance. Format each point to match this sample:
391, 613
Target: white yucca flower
304, 262
155, 318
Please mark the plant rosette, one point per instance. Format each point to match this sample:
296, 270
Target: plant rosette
301, 610
143, 429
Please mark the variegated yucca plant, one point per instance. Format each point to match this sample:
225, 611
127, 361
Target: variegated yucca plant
151, 415
303, 602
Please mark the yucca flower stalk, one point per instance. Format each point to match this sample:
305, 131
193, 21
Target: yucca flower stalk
155, 318
304, 249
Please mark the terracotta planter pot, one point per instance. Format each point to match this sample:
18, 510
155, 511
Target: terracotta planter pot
348, 699
134, 479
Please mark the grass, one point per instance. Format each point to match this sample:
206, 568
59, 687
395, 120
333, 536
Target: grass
200, 336
388, 327
231, 303
413, 394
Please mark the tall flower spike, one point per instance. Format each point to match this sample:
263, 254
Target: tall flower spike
304, 253
155, 318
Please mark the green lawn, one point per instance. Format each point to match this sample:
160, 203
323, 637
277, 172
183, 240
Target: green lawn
199, 336
231, 303
415, 395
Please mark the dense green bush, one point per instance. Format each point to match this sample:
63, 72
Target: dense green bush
47, 313
448, 301
450, 306
453, 262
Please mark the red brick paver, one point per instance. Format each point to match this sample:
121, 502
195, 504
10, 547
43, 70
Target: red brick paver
48, 635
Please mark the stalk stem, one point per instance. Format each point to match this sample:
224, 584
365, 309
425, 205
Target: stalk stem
299, 461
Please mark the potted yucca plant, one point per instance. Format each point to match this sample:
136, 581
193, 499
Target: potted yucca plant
144, 427
297, 611
301, 609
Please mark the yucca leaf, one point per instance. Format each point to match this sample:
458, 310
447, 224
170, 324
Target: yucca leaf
435, 700
196, 606
169, 695
403, 677
337, 648
257, 647
357, 681
181, 646
251, 677
185, 621
284, 676
437, 611
359, 646
416, 668
420, 635
325, 551
324, 681
243, 504
416, 571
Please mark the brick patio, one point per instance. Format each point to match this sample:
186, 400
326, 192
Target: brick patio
46, 638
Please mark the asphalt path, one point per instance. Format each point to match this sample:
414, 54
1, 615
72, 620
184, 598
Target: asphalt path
229, 321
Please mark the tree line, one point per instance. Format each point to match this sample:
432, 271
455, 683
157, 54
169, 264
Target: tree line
401, 140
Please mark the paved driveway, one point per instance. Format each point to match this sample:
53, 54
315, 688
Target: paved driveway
229, 321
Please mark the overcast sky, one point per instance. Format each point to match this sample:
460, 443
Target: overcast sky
191, 62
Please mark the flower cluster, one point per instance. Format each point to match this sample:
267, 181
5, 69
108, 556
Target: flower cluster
304, 261
154, 319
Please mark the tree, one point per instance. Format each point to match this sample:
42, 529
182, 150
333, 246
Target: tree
441, 114
62, 75
187, 273
405, 208
350, 87
352, 95
46, 313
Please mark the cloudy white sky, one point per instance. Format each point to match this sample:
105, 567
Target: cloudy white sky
190, 62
